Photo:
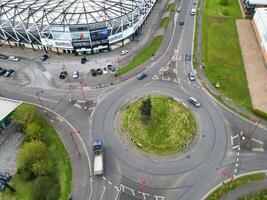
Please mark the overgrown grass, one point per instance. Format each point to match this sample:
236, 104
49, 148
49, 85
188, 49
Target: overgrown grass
58, 154
143, 56
164, 23
222, 53
170, 7
220, 192
258, 195
171, 127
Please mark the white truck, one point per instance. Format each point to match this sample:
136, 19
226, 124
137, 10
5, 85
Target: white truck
98, 157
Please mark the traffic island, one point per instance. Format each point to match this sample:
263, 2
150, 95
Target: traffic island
169, 129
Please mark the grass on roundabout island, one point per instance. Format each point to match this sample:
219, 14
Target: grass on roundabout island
171, 127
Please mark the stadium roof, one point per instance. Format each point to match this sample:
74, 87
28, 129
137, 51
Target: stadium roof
66, 11
7, 106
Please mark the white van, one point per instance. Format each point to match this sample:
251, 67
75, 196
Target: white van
193, 11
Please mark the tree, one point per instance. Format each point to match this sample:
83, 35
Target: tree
145, 109
42, 167
25, 114
224, 2
34, 131
29, 154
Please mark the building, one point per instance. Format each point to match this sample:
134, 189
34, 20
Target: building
259, 23
71, 26
7, 106
250, 5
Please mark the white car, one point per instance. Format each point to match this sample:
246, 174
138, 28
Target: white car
105, 71
124, 52
193, 11
13, 58
75, 74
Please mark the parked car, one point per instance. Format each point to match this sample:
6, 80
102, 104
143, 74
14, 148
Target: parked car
194, 101
13, 58
44, 57
5, 176
93, 72
2, 71
141, 76
75, 74
99, 71
111, 68
3, 56
105, 71
63, 74
124, 52
191, 76
182, 22
187, 56
10, 73
83, 60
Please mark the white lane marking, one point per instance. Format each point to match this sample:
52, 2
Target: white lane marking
155, 77
236, 147
58, 118
258, 149
92, 112
143, 194
123, 187
175, 80
77, 106
258, 141
116, 188
104, 189
165, 79
91, 108
232, 139
117, 196
185, 104
80, 101
180, 57
104, 177
159, 197
109, 183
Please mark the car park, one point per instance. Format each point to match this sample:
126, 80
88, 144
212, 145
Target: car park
187, 56
194, 101
63, 74
141, 76
2, 71
182, 22
99, 71
13, 58
105, 71
93, 72
75, 74
44, 57
124, 52
10, 73
111, 68
191, 76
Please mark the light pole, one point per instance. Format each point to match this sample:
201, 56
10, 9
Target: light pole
76, 147
40, 101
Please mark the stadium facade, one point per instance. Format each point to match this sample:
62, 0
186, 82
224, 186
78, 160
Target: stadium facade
71, 25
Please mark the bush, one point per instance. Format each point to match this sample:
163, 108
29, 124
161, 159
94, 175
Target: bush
260, 113
224, 2
226, 12
25, 174
46, 188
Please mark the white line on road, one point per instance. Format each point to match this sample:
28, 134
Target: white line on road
258, 149
116, 187
258, 141
159, 197
104, 189
143, 194
77, 106
104, 177
92, 112
185, 104
155, 77
235, 147
109, 183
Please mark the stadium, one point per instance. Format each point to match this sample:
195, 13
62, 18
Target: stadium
71, 26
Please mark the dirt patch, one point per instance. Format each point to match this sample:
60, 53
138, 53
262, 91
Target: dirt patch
254, 64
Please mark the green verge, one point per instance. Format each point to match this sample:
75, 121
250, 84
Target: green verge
170, 7
63, 171
258, 195
164, 23
195, 53
260, 113
221, 191
171, 127
143, 56
222, 53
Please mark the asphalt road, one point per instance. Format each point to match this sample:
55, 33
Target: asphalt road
131, 174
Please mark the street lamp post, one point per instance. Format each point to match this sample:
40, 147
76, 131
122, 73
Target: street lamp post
75, 145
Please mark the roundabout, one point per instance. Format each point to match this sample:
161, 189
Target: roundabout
170, 129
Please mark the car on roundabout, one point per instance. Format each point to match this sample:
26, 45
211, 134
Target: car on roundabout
141, 76
194, 102
191, 76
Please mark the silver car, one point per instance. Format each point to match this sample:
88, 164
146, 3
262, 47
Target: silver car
194, 101
13, 58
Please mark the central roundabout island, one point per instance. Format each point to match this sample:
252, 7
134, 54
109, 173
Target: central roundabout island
158, 124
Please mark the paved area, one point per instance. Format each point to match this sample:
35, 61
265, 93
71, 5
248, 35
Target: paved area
254, 64
10, 140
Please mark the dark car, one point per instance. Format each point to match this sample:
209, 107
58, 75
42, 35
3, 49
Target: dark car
195, 2
141, 76
187, 56
2, 71
111, 68
5, 176
43, 57
194, 101
99, 71
83, 60
10, 73
63, 74
3, 56
93, 72
182, 22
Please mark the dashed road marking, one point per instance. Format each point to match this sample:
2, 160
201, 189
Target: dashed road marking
109, 183
92, 112
258, 149
104, 177
116, 188
143, 194
185, 104
104, 189
77, 106
159, 197
257, 141
155, 77
165, 79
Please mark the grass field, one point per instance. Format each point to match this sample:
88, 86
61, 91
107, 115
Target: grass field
143, 56
59, 155
164, 23
217, 194
171, 126
170, 7
221, 51
259, 195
